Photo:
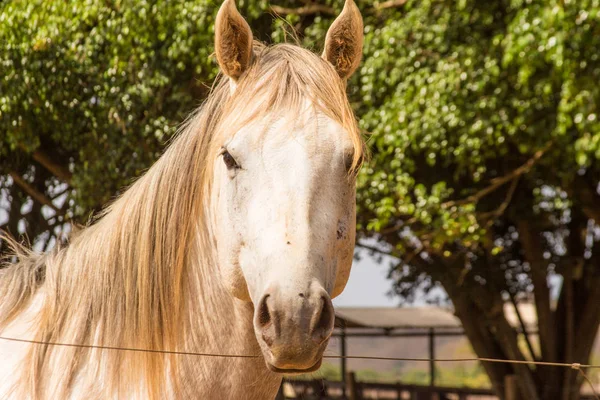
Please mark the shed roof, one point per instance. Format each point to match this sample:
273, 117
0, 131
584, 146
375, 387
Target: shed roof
420, 317
396, 318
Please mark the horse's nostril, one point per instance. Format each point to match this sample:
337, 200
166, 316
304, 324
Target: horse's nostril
264, 316
266, 321
296, 323
268, 338
325, 319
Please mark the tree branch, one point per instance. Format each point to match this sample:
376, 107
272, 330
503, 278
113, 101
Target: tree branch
377, 250
309, 9
57, 195
32, 192
390, 4
499, 181
588, 323
14, 209
492, 215
531, 242
569, 330
534, 357
587, 197
57, 170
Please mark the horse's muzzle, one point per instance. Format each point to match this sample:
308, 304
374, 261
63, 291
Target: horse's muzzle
293, 328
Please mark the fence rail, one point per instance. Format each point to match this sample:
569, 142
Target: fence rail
320, 389
358, 390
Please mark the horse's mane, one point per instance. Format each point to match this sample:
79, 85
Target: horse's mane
126, 279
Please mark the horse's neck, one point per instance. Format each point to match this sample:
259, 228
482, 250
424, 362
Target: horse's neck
222, 325
12, 353
215, 315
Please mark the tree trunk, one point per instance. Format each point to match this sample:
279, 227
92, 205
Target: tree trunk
491, 336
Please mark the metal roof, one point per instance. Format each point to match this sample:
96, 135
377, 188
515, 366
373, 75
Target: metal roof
396, 318
420, 317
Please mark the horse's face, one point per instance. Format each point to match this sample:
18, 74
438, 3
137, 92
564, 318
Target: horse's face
286, 223
285, 214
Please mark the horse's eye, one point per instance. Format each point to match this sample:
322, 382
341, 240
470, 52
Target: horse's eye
349, 159
229, 161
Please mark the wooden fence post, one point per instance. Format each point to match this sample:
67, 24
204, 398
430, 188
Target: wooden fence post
431, 342
280, 395
399, 391
343, 360
351, 387
320, 389
510, 387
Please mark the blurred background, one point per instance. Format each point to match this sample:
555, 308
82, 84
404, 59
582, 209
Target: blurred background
480, 199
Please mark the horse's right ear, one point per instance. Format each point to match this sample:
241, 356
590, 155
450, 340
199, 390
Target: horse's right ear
344, 40
233, 40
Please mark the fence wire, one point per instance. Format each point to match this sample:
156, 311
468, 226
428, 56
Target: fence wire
576, 366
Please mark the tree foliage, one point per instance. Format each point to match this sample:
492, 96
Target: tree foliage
484, 132
90, 92
481, 118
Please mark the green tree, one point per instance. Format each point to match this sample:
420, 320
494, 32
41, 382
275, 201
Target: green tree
481, 117
484, 132
90, 92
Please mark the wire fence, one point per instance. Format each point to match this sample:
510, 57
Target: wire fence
576, 366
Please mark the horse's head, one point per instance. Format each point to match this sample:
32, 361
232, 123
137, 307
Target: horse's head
284, 183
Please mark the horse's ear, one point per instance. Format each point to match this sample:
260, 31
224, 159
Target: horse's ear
344, 40
233, 40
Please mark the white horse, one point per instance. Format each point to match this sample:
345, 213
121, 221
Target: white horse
233, 243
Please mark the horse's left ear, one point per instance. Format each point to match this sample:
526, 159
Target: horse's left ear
233, 40
344, 41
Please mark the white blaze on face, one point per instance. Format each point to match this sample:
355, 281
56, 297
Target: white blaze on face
286, 216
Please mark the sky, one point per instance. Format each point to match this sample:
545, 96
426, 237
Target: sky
367, 286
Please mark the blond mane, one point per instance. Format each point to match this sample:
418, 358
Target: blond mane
133, 277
